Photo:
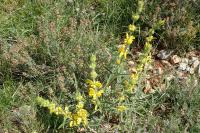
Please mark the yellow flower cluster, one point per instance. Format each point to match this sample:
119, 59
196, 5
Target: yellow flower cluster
95, 87
95, 90
129, 38
53, 108
123, 50
121, 108
80, 116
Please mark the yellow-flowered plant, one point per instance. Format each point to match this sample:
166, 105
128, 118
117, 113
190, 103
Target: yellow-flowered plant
54, 109
80, 116
144, 58
123, 50
95, 87
76, 119
129, 38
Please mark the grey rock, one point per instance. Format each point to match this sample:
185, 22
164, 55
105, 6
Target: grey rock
188, 69
195, 64
185, 60
194, 58
164, 54
182, 66
166, 63
192, 70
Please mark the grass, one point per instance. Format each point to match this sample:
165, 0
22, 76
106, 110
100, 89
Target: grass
45, 51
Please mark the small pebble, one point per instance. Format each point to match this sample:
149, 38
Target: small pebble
175, 59
187, 68
166, 63
163, 54
195, 64
192, 70
182, 66
131, 63
185, 60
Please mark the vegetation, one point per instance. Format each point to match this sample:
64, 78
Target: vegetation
64, 66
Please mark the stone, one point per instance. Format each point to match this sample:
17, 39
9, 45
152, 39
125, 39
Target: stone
192, 70
164, 54
195, 64
160, 70
133, 70
188, 69
166, 63
185, 60
148, 87
199, 71
182, 66
181, 75
148, 67
175, 59
131, 63
194, 58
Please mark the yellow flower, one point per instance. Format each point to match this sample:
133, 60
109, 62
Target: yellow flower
80, 105
134, 78
66, 113
131, 27
95, 94
79, 97
121, 108
151, 31
43, 102
123, 51
118, 61
82, 113
149, 39
140, 67
79, 117
125, 54
147, 47
94, 84
52, 107
92, 93
161, 22
140, 5
99, 93
59, 111
93, 74
129, 39
135, 17
121, 98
